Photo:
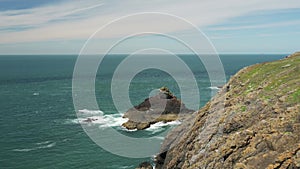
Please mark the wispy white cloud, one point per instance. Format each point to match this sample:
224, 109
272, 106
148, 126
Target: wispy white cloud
82, 18
256, 26
213, 37
286, 34
46, 14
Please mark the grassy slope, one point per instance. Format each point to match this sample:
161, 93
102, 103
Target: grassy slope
269, 82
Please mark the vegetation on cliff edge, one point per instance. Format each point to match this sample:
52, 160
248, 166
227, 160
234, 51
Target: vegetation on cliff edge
253, 122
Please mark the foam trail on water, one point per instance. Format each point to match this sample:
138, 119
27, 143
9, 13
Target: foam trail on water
47, 146
23, 150
42, 145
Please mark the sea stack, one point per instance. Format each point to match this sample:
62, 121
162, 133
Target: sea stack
163, 107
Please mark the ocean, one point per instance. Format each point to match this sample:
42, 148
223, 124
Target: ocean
38, 123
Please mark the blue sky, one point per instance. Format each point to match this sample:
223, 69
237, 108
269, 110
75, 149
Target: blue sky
63, 26
23, 4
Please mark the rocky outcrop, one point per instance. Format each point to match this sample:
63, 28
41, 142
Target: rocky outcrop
253, 122
145, 165
163, 107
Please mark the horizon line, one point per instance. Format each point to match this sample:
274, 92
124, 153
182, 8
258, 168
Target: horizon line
225, 53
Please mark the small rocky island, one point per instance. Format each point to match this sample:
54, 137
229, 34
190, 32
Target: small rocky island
163, 107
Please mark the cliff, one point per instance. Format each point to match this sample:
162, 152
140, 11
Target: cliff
253, 122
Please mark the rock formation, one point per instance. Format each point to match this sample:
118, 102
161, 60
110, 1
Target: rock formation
253, 122
145, 165
163, 107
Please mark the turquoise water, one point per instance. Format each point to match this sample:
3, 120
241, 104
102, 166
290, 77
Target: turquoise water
38, 126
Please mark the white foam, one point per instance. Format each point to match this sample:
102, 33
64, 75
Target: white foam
73, 121
23, 150
65, 140
159, 137
157, 127
125, 129
47, 146
42, 145
86, 111
124, 167
214, 88
98, 117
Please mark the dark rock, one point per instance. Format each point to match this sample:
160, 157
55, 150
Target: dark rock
130, 125
142, 126
227, 88
145, 165
247, 102
89, 120
163, 107
232, 125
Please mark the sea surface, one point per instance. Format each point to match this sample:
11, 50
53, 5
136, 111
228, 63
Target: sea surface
38, 123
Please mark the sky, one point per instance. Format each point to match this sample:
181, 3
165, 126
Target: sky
231, 26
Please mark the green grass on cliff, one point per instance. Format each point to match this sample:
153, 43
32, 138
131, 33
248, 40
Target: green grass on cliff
274, 79
296, 96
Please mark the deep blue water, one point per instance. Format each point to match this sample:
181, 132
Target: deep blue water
38, 126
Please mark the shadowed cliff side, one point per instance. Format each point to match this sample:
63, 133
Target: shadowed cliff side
253, 122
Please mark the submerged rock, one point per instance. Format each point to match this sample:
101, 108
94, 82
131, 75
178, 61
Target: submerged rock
163, 107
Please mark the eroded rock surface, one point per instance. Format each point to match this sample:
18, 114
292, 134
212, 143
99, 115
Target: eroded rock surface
253, 122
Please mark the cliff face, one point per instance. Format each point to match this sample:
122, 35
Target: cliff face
253, 122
